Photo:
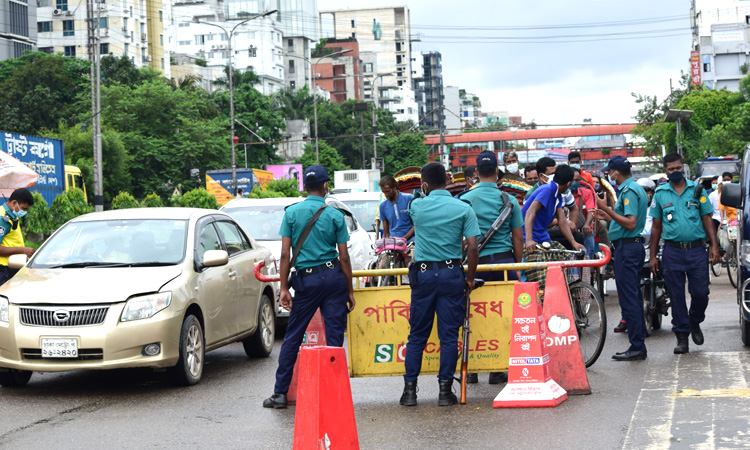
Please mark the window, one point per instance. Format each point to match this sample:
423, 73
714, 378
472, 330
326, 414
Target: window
224, 36
233, 237
200, 39
131, 11
69, 28
43, 3
368, 83
161, 16
62, 5
398, 59
368, 67
44, 27
103, 49
143, 55
354, 23
124, 22
290, 45
183, 24
127, 48
210, 37
354, 35
104, 22
184, 42
706, 63
143, 28
208, 240
291, 66
398, 46
162, 63
49, 50
132, 38
70, 51
292, 86
161, 39
252, 52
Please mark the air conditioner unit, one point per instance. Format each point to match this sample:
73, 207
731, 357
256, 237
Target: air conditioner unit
213, 47
68, 13
125, 10
222, 46
56, 12
105, 31
148, 58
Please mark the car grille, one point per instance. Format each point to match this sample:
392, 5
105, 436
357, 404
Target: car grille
84, 354
71, 316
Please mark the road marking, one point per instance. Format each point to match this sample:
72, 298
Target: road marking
710, 393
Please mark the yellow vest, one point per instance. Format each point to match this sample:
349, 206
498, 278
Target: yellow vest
12, 239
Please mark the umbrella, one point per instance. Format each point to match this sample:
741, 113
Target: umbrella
14, 174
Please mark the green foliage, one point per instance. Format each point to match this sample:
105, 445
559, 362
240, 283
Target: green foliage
295, 105
152, 201
38, 219
327, 155
199, 198
403, 150
321, 50
78, 201
120, 70
124, 200
201, 62
66, 206
288, 187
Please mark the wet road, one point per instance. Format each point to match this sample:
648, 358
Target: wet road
698, 400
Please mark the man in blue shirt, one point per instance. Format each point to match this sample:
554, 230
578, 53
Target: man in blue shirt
682, 211
437, 279
321, 280
394, 211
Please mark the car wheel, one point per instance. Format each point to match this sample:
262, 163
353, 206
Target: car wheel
260, 344
189, 368
15, 378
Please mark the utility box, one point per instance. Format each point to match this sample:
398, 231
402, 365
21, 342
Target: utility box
356, 180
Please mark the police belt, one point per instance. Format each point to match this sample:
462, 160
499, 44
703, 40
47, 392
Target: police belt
623, 241
313, 270
447, 264
685, 245
496, 256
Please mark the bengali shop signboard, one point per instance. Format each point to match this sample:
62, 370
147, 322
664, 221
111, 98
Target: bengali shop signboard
44, 156
695, 66
379, 330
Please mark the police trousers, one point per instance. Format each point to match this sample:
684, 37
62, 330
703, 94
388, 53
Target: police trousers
692, 264
434, 291
628, 263
328, 290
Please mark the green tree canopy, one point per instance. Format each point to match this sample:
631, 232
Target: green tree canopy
328, 156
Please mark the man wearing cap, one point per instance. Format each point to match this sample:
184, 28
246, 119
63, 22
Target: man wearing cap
628, 219
683, 213
506, 245
437, 279
321, 280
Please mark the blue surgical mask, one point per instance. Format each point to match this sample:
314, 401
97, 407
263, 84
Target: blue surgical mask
20, 213
596, 186
676, 177
612, 181
575, 185
575, 166
714, 186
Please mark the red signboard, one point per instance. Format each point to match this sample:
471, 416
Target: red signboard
695, 67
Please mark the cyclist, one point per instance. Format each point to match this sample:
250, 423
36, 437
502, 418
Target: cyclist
394, 211
628, 219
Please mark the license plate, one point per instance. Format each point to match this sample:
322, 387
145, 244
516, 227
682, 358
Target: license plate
59, 348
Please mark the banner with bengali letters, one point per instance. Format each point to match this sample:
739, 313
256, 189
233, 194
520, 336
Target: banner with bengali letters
44, 156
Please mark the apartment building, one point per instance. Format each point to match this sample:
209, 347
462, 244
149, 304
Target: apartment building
17, 28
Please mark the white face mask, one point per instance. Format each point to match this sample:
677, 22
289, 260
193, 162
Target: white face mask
511, 168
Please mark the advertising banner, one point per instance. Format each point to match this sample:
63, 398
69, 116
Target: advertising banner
695, 67
262, 177
287, 171
219, 183
44, 156
379, 330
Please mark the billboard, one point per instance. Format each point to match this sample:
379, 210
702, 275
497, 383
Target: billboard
695, 66
262, 177
44, 156
219, 183
286, 171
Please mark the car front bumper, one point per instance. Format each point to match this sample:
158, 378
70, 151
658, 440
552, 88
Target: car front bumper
109, 345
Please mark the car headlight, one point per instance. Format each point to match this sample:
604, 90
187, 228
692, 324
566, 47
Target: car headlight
4, 307
145, 306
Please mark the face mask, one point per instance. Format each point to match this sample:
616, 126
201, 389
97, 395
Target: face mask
543, 179
575, 166
422, 191
714, 186
511, 168
20, 213
676, 176
575, 186
612, 181
596, 186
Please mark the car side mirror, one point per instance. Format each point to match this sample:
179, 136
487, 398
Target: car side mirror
731, 195
213, 258
17, 261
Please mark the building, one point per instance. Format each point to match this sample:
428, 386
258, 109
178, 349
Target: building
340, 76
299, 29
725, 56
452, 109
18, 33
471, 109
201, 34
133, 28
385, 32
429, 91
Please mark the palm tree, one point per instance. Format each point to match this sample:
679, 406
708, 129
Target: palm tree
188, 82
238, 78
293, 105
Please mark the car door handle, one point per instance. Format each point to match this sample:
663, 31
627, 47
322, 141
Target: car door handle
232, 274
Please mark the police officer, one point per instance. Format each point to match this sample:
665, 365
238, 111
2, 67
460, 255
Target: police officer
628, 218
321, 280
437, 279
10, 231
506, 245
682, 212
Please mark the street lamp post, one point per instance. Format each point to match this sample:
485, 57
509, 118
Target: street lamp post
231, 85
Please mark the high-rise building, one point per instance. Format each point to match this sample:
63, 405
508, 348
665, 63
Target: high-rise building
299, 28
429, 89
471, 109
133, 28
386, 32
17, 28
341, 75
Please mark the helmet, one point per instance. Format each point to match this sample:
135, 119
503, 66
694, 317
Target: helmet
646, 184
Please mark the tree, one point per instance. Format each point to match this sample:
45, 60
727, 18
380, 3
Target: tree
293, 105
328, 156
121, 70
124, 200
238, 78
403, 150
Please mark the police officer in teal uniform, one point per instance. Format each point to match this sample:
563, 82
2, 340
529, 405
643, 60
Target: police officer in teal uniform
506, 245
682, 213
437, 279
628, 218
321, 280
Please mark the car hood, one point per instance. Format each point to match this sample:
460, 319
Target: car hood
274, 247
85, 286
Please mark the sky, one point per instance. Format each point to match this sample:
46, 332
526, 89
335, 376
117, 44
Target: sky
528, 73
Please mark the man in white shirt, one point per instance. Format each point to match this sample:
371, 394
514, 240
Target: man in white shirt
713, 197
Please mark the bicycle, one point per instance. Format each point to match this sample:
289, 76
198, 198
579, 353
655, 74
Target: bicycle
732, 257
391, 255
587, 305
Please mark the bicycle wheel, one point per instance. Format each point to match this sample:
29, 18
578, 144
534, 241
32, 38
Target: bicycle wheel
732, 266
648, 308
591, 320
386, 262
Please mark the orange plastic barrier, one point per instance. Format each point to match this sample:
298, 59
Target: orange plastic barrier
325, 413
315, 336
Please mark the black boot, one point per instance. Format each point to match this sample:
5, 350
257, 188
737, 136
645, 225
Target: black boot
682, 343
409, 397
446, 396
498, 377
696, 333
472, 378
276, 401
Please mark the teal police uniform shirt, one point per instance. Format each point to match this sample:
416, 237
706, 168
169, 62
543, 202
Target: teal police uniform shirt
680, 214
487, 201
440, 224
329, 231
631, 201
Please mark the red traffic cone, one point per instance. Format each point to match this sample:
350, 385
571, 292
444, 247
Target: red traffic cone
315, 336
325, 413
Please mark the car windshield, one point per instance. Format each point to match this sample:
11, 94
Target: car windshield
716, 168
261, 222
365, 211
115, 243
